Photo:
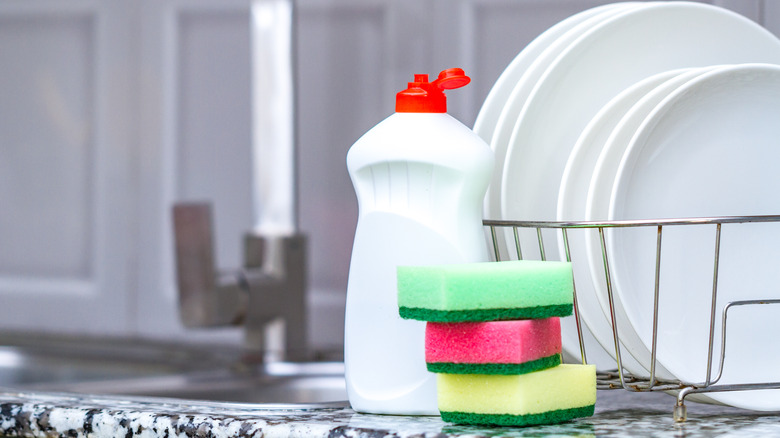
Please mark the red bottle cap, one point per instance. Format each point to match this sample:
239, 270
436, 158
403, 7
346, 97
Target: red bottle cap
428, 97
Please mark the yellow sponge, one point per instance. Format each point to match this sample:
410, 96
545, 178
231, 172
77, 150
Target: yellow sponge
549, 396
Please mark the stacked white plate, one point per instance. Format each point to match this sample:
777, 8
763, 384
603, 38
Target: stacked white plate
646, 111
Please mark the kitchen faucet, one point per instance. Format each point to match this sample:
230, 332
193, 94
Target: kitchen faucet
269, 289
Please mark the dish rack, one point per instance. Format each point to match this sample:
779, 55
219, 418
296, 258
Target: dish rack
621, 378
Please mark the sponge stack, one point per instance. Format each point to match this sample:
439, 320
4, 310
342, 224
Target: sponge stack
494, 336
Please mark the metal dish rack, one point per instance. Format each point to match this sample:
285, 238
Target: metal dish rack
621, 378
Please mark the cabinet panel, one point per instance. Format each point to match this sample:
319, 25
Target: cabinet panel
771, 16
751, 9
63, 233
47, 153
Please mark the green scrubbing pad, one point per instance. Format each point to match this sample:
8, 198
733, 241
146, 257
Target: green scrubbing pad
492, 291
495, 368
551, 417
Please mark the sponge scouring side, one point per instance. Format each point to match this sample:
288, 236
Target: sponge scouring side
490, 291
495, 347
549, 396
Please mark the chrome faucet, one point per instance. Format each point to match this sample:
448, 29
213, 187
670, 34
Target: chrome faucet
269, 291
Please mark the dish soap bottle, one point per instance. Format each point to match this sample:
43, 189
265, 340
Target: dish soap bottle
420, 177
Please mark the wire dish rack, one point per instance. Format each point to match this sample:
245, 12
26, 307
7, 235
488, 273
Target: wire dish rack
504, 231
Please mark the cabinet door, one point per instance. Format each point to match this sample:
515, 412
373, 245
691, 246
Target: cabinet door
195, 120
65, 205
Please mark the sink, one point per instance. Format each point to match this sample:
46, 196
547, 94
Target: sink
136, 368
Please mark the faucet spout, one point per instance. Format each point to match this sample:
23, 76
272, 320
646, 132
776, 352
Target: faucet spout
206, 297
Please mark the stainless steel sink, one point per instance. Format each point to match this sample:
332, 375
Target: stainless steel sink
147, 369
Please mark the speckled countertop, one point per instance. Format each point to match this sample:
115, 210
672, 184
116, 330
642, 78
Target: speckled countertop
618, 413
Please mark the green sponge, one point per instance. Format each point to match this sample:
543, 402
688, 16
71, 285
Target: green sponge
491, 291
550, 417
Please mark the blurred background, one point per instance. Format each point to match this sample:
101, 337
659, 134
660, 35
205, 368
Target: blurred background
112, 111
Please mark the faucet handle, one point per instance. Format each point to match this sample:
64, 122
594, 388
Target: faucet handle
205, 298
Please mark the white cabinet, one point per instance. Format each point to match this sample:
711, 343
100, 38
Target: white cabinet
112, 111
66, 198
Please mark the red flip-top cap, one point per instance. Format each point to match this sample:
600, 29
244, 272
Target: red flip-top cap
428, 97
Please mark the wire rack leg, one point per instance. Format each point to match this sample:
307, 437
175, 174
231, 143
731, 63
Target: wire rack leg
680, 413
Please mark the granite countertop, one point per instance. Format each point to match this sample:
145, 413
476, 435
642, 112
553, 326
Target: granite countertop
618, 413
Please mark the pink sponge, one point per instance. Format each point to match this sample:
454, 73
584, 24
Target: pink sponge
495, 347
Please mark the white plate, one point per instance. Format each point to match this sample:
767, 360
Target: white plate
618, 52
505, 101
572, 198
709, 149
596, 208
585, 20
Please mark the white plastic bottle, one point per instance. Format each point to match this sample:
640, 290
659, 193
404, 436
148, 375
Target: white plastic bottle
420, 177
